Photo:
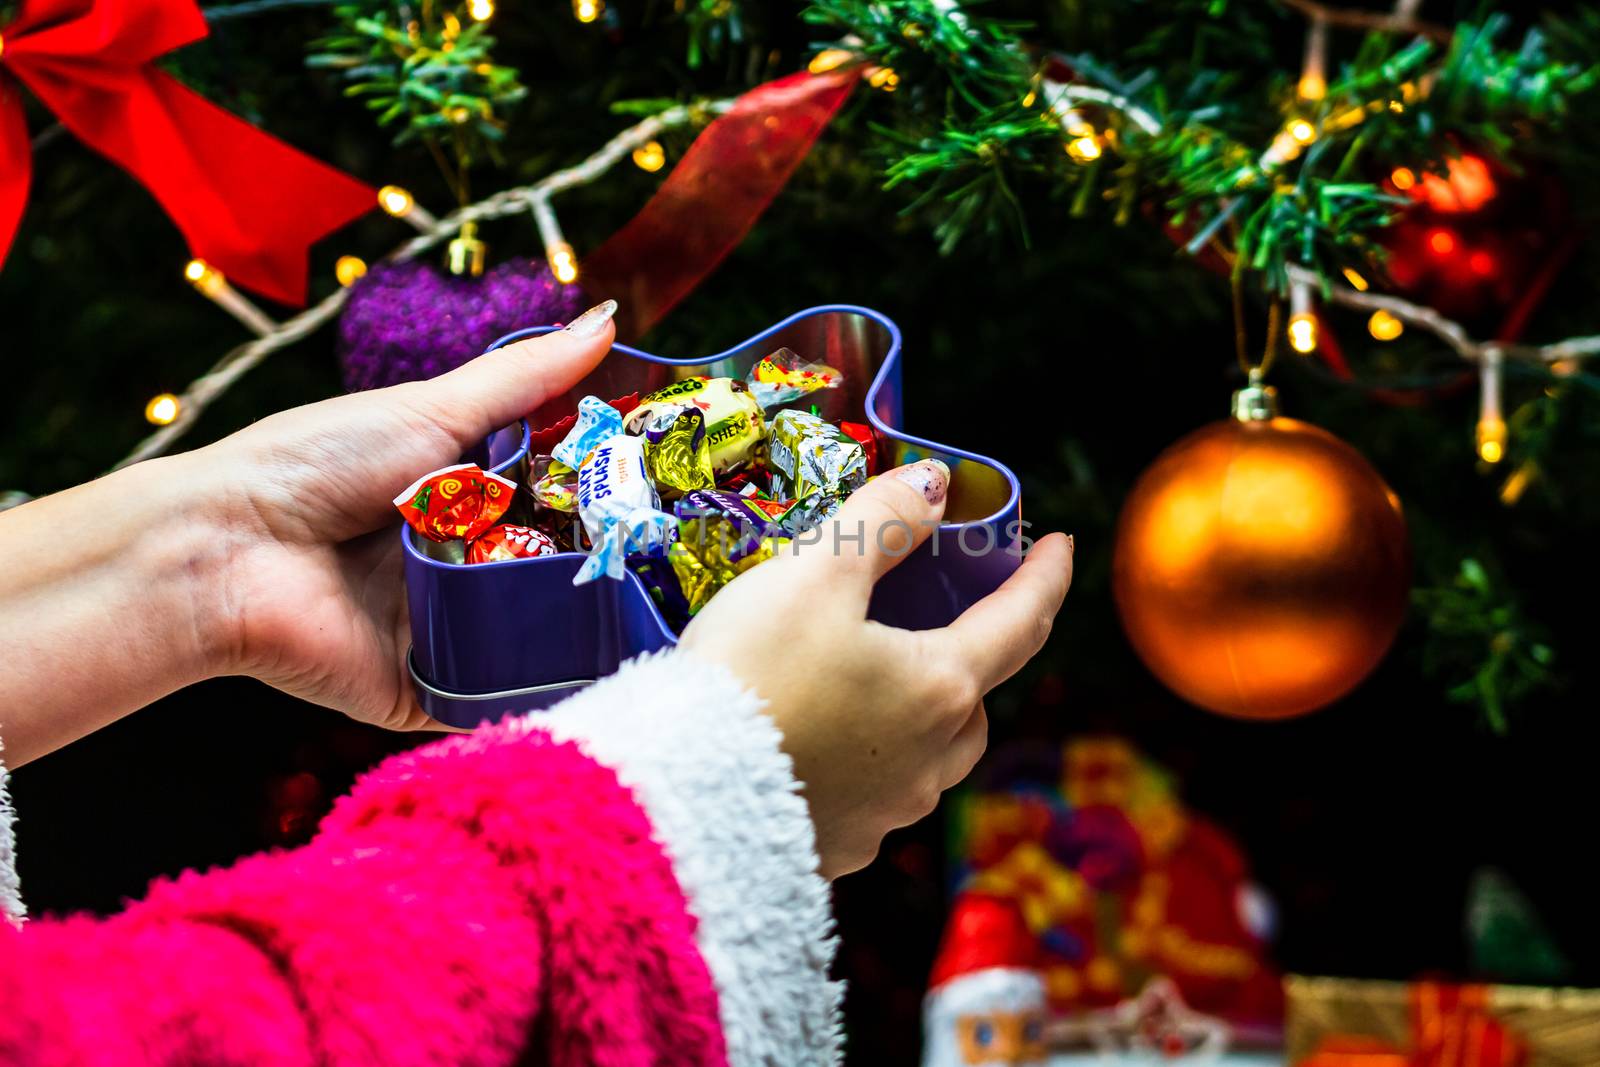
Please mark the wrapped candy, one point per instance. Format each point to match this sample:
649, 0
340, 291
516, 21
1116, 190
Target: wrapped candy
815, 463
734, 427
619, 508
737, 517
677, 455
510, 542
784, 376
554, 485
596, 421
456, 503
869, 442
716, 544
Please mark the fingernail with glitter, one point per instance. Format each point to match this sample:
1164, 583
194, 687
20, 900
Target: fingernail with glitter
1072, 546
594, 320
930, 477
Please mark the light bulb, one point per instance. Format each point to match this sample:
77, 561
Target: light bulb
1357, 282
1492, 439
204, 277
395, 200
829, 59
480, 10
1385, 327
1403, 178
1303, 332
1312, 86
587, 10
162, 410
884, 78
563, 262
650, 157
1302, 131
1084, 149
349, 269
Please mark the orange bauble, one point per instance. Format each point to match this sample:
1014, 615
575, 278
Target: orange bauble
1261, 567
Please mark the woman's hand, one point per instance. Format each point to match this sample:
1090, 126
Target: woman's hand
879, 721
271, 553
312, 600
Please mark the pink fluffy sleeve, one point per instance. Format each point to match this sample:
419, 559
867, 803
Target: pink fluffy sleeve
491, 899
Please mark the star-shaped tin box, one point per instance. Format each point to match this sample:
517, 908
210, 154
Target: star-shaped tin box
516, 635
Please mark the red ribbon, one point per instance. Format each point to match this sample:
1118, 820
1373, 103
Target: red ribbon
724, 182
246, 203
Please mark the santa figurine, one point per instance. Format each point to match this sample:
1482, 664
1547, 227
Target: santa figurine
986, 1002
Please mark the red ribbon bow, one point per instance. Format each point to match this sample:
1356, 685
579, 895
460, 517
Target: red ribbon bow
246, 202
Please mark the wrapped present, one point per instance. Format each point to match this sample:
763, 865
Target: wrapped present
1336, 1022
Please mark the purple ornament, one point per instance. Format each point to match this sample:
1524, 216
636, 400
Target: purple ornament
406, 321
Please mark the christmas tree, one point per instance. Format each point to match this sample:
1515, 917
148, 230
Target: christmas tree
1094, 220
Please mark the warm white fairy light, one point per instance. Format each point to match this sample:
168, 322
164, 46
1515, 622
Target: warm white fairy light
162, 410
210, 283
480, 10
349, 269
402, 205
1491, 422
830, 59
650, 157
588, 10
1302, 320
1314, 69
1384, 326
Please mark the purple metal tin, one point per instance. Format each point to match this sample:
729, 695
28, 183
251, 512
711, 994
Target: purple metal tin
516, 635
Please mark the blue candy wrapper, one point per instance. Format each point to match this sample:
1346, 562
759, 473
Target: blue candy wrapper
619, 508
596, 421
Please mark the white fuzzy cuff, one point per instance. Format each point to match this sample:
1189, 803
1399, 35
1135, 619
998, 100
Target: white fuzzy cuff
692, 744
10, 888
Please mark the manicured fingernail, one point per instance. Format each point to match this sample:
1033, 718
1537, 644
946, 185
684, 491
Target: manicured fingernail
592, 321
930, 477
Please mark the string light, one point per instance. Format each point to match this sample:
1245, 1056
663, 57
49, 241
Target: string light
349, 269
480, 10
1403, 178
204, 277
1385, 327
1518, 483
210, 283
1491, 423
1302, 131
402, 205
884, 78
162, 410
650, 157
1085, 149
395, 200
563, 262
1443, 242
1313, 72
587, 10
1357, 282
1302, 322
829, 59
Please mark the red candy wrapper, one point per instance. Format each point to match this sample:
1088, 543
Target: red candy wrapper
511, 542
457, 503
869, 442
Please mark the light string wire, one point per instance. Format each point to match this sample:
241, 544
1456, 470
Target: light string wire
240, 360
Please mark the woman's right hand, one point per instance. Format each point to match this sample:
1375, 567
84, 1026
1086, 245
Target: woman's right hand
879, 721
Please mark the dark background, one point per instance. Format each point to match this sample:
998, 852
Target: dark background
1075, 361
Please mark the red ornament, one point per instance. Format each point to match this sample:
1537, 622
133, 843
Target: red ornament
247, 203
1479, 243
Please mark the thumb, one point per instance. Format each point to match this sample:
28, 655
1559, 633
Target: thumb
884, 521
501, 386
